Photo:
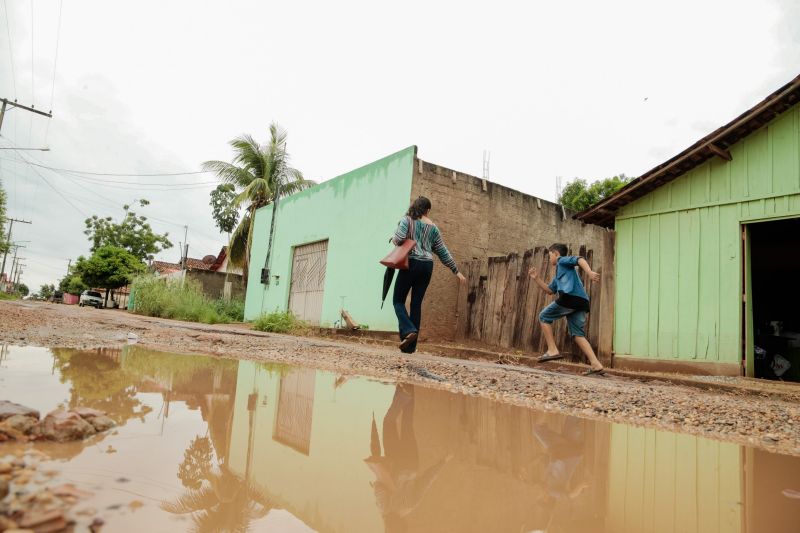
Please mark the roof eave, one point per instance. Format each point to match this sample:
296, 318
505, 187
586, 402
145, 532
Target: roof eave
715, 144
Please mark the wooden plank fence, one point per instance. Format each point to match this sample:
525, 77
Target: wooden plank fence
500, 304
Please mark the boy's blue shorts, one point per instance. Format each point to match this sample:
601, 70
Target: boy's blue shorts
575, 319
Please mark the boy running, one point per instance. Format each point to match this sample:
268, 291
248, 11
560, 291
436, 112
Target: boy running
572, 302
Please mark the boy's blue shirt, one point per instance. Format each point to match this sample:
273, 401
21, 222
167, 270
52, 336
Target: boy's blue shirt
566, 280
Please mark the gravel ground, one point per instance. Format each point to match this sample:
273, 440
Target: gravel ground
751, 417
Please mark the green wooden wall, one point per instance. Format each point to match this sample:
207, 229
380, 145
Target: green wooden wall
679, 253
663, 482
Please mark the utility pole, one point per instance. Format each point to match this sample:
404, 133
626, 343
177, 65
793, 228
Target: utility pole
69, 265
184, 247
265, 272
6, 102
8, 241
19, 275
14, 262
15, 273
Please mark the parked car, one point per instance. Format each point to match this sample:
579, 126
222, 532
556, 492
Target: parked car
58, 297
93, 298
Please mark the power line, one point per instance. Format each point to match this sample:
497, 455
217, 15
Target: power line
10, 52
153, 175
139, 184
33, 87
61, 194
55, 61
55, 64
166, 187
32, 166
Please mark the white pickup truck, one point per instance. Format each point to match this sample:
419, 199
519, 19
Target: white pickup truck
93, 298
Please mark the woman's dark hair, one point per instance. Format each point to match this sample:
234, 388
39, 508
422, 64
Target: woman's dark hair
560, 248
419, 207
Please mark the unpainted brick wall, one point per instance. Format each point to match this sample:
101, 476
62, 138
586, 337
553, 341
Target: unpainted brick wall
478, 223
213, 283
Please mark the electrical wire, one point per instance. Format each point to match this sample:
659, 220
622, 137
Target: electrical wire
10, 51
33, 86
122, 185
142, 183
55, 64
55, 61
32, 164
152, 175
61, 194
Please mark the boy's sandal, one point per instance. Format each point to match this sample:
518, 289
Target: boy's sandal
548, 357
592, 372
411, 337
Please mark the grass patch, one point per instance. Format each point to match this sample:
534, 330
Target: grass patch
166, 298
6, 296
279, 323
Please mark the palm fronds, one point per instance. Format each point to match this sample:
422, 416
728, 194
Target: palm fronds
257, 172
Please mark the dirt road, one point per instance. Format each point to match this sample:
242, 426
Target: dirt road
770, 421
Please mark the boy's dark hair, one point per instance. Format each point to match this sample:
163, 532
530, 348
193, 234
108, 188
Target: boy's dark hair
560, 248
419, 207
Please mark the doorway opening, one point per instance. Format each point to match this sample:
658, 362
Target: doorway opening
774, 295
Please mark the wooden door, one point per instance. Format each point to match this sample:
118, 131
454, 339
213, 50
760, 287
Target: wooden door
308, 281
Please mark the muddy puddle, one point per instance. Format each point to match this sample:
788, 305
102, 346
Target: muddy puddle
207, 444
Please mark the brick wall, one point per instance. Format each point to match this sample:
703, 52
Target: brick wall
482, 219
213, 283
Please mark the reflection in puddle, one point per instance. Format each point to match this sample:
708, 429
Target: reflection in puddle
209, 444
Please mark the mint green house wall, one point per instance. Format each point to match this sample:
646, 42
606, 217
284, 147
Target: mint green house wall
357, 213
679, 248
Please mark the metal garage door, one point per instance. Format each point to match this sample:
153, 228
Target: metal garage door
308, 281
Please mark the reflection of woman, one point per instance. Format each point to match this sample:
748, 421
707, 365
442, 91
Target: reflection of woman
399, 485
420, 268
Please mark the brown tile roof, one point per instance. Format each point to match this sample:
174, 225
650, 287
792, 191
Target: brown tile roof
163, 267
714, 144
197, 264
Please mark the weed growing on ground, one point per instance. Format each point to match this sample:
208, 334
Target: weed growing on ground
166, 298
279, 323
6, 296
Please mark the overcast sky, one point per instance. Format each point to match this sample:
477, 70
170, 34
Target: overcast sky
580, 88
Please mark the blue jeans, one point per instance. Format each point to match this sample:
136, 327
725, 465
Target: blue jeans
414, 280
575, 319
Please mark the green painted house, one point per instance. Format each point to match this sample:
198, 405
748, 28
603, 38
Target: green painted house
708, 247
332, 235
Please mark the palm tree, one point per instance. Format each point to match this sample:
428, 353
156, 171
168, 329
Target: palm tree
257, 172
223, 502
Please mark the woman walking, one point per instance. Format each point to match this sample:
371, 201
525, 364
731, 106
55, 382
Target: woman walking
415, 280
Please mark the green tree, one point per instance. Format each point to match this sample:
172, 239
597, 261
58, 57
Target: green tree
72, 284
23, 289
132, 233
225, 214
579, 194
257, 172
109, 267
46, 291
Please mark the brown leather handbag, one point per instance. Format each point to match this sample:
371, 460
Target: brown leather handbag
398, 258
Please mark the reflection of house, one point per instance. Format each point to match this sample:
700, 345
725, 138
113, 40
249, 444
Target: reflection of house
295, 409
215, 275
328, 486
506, 468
